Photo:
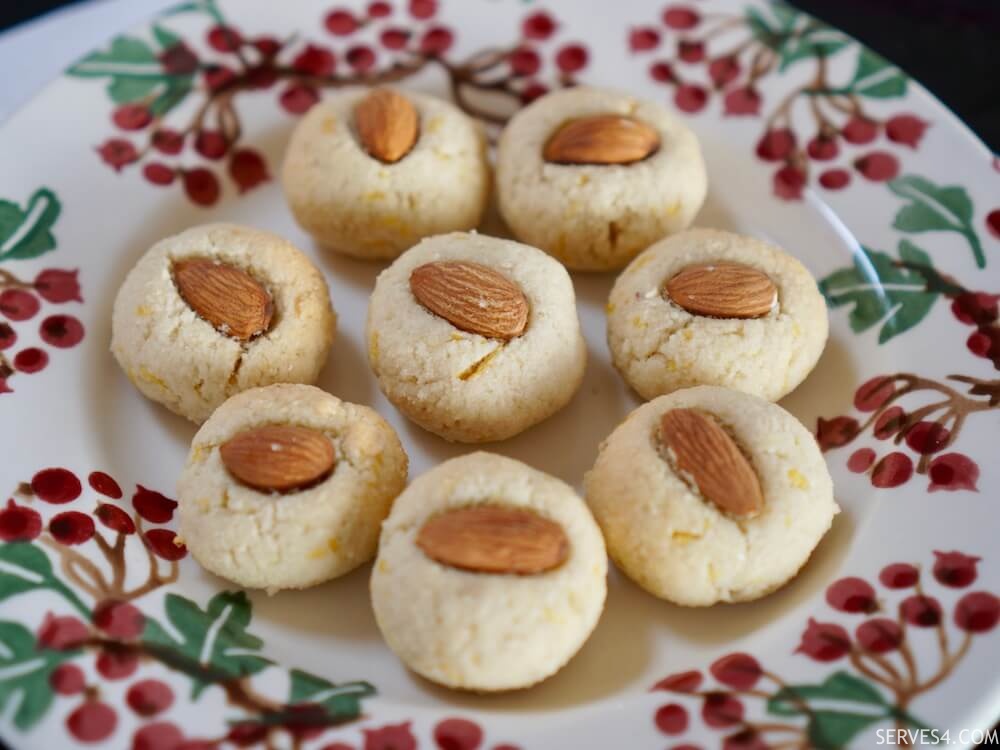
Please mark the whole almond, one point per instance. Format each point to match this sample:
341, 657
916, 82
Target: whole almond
494, 539
472, 297
227, 297
387, 125
601, 139
722, 290
703, 453
278, 458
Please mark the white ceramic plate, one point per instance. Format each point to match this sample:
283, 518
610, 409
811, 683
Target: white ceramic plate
811, 141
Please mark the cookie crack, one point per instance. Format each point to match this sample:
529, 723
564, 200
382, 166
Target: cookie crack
479, 365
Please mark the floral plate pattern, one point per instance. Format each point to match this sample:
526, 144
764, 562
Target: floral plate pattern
111, 636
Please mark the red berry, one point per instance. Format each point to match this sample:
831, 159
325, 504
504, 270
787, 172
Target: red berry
532, 91
953, 471
975, 308
67, 679
690, 52
247, 733
315, 61
906, 129
878, 166
690, 98
18, 304
458, 734
379, 10
115, 518
58, 286
423, 8
524, 61
824, 641
158, 174
892, 471
178, 59
927, 437
861, 460
168, 141
852, 595
741, 101
835, 179
149, 697
361, 58
132, 117
822, 148
8, 337
922, 611
979, 344
993, 222
955, 569
92, 721
739, 671
117, 153
71, 527
858, 130
394, 38
19, 523
298, 98
723, 70
776, 145
62, 633
788, 183
262, 76
248, 169
872, 394
879, 635
268, 46
30, 360
571, 58
211, 144
721, 710
117, 664
218, 77
977, 612
224, 38
681, 682
745, 739
341, 22
681, 17
120, 620
671, 719
539, 25
662, 72
158, 735
643, 38
56, 486
899, 576
889, 423
201, 186
164, 543
436, 41
62, 331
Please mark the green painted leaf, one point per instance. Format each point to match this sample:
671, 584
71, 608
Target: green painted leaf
934, 207
833, 730
125, 54
820, 42
174, 10
123, 89
840, 686
174, 94
23, 567
340, 701
24, 673
876, 77
880, 291
164, 36
27, 232
762, 28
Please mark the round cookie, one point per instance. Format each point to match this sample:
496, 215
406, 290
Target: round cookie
476, 627
597, 216
217, 309
658, 498
353, 203
239, 526
464, 378
659, 346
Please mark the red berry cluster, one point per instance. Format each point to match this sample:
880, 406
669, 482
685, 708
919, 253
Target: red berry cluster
527, 62
915, 429
979, 309
21, 302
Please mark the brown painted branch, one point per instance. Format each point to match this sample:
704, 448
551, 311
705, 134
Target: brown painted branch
869, 673
154, 579
97, 587
947, 664
799, 701
5, 367
10, 281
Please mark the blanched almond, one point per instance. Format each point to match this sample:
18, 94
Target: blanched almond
601, 139
722, 290
494, 539
229, 298
387, 125
278, 458
695, 444
472, 297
